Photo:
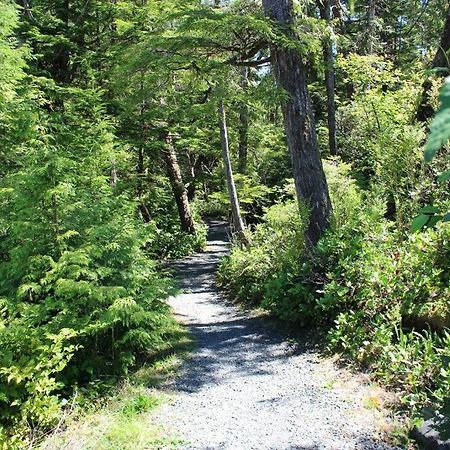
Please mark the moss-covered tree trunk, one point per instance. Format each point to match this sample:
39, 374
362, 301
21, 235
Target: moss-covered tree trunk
289, 67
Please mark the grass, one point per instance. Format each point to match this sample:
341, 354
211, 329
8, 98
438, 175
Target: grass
120, 416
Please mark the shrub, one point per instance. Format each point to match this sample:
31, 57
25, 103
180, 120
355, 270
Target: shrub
384, 297
275, 245
79, 297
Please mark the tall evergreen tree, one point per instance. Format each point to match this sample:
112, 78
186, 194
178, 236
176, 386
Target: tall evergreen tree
290, 72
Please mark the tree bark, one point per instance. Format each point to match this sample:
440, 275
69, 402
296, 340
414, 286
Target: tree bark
178, 187
425, 111
238, 223
145, 213
330, 79
371, 14
289, 68
243, 124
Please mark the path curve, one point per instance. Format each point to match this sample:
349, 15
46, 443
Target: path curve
247, 387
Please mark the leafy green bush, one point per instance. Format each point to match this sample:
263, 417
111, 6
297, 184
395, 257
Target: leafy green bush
384, 297
275, 245
78, 295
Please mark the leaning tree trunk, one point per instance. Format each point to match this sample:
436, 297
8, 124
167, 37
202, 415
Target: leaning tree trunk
309, 177
371, 26
178, 187
425, 111
238, 223
243, 123
330, 80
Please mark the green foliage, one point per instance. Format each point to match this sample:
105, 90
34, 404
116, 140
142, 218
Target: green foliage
78, 295
385, 300
440, 129
105, 414
13, 63
378, 138
251, 274
88, 92
397, 300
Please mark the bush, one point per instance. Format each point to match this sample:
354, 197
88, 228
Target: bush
276, 244
384, 297
79, 297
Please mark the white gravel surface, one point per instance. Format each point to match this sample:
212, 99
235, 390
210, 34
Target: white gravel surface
248, 387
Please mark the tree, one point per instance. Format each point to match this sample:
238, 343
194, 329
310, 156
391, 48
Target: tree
238, 223
290, 68
326, 9
243, 122
178, 188
440, 63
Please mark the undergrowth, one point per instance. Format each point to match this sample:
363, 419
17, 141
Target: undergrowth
118, 414
381, 296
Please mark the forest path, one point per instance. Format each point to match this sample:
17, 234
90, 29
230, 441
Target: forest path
247, 387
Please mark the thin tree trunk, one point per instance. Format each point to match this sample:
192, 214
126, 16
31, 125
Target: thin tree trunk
178, 187
236, 211
371, 27
192, 175
114, 176
145, 213
243, 124
330, 81
425, 111
309, 177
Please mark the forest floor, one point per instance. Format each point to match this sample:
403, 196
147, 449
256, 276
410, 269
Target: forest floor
248, 386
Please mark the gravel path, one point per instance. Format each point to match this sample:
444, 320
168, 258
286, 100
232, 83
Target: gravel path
247, 387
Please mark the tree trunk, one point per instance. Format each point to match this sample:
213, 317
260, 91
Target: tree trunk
178, 187
145, 213
330, 80
425, 111
236, 211
243, 124
289, 67
371, 28
192, 175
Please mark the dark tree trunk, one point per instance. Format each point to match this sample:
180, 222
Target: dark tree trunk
441, 58
62, 54
238, 223
243, 124
425, 111
178, 187
289, 67
330, 80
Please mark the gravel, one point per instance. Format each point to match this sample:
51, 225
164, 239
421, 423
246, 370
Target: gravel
248, 387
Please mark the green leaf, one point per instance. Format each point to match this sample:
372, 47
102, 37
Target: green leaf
419, 222
429, 210
446, 218
351, 6
445, 176
434, 221
440, 127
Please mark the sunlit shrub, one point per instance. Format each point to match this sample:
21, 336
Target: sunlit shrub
384, 297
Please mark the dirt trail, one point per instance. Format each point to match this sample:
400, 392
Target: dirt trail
247, 387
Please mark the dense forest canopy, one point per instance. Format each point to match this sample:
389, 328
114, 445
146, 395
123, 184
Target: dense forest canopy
124, 125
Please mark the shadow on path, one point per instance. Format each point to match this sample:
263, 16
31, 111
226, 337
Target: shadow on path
246, 386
